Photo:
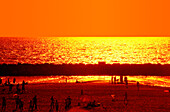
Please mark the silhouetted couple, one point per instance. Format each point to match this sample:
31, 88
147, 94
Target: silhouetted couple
19, 103
67, 102
33, 103
52, 104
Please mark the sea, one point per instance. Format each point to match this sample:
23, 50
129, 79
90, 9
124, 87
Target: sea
86, 50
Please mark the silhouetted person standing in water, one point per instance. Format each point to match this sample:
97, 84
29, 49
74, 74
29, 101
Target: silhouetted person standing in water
8, 81
14, 80
35, 102
23, 86
0, 81
52, 102
56, 105
138, 85
3, 104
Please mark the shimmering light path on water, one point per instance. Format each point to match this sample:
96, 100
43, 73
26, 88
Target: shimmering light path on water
85, 50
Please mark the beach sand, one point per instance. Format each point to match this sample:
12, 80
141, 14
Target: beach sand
147, 99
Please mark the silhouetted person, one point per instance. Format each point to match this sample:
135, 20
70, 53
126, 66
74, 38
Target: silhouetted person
35, 102
3, 104
21, 104
17, 87
93, 104
125, 99
114, 80
0, 81
126, 82
23, 86
56, 105
31, 105
138, 85
66, 104
17, 101
14, 80
69, 101
52, 102
10, 87
8, 81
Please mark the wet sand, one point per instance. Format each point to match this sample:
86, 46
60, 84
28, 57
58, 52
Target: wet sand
147, 99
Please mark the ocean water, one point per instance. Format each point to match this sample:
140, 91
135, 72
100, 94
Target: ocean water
87, 50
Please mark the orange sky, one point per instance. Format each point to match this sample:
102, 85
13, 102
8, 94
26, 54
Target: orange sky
46, 18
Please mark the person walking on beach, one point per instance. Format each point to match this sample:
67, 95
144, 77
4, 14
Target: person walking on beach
52, 102
69, 101
56, 105
35, 102
17, 101
3, 104
31, 105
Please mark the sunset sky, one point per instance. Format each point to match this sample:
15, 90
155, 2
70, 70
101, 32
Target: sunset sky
57, 18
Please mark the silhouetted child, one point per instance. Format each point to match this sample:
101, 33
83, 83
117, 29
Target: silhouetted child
56, 105
31, 105
35, 102
52, 102
3, 104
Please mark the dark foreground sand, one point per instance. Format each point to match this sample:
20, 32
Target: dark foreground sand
147, 99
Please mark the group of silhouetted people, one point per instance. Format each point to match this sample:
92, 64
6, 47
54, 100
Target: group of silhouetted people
10, 85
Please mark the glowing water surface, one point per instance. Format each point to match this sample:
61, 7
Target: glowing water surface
86, 50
